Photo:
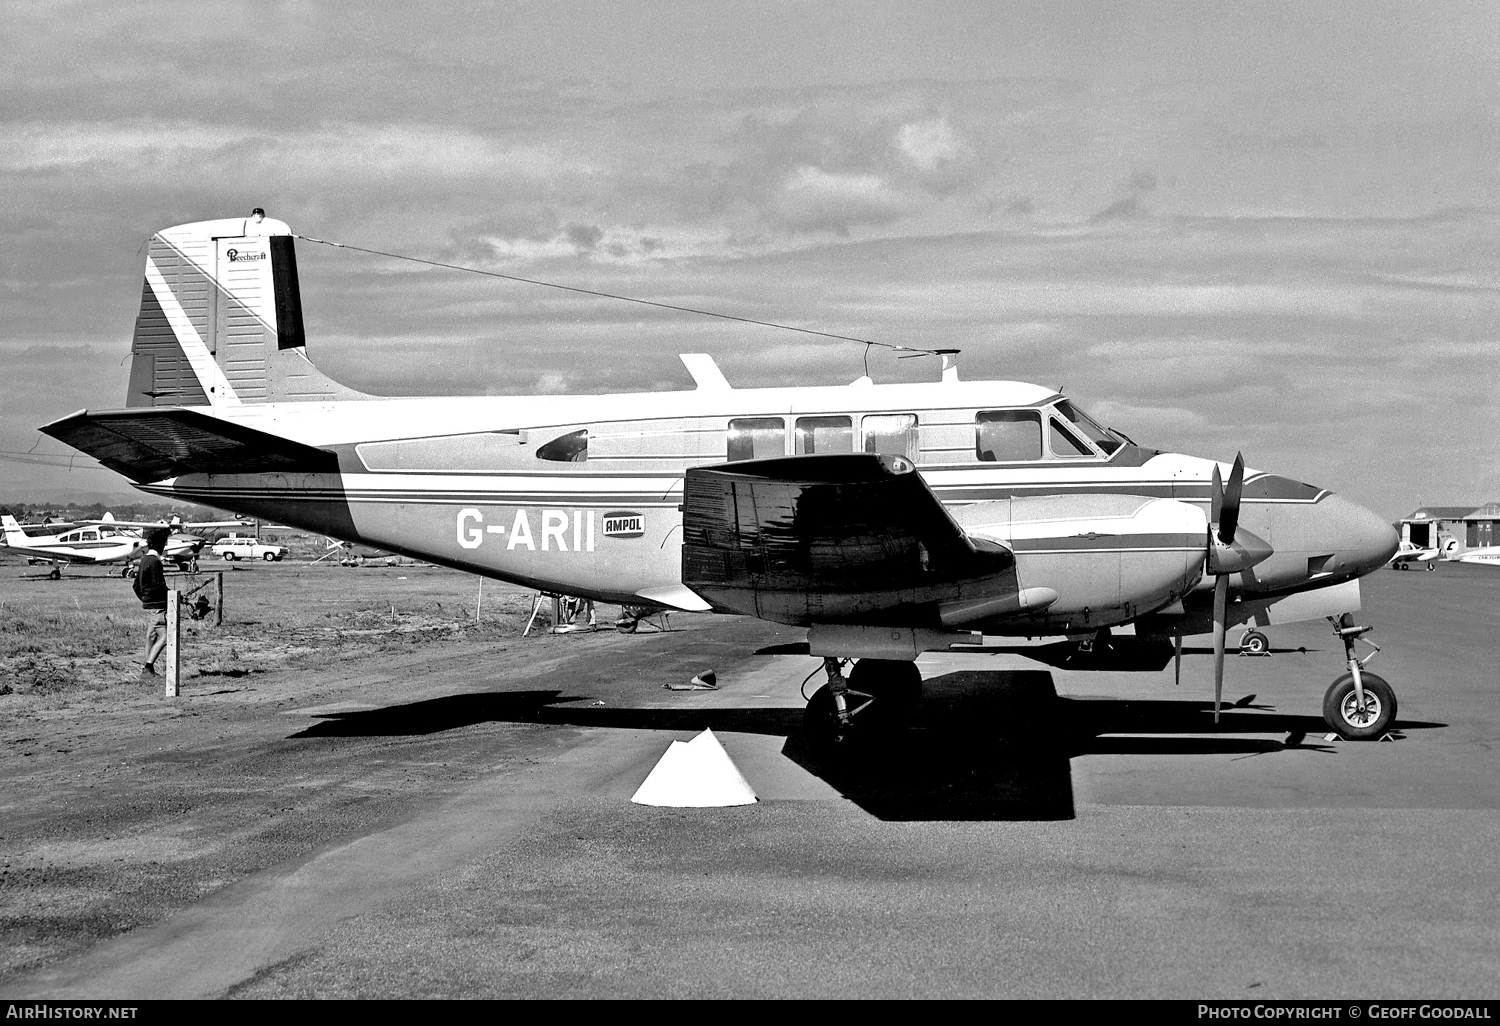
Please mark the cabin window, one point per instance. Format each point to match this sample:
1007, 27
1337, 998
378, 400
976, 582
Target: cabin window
572, 447
892, 434
1005, 436
75, 536
824, 434
1064, 443
1106, 440
754, 438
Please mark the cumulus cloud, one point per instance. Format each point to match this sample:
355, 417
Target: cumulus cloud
931, 144
812, 199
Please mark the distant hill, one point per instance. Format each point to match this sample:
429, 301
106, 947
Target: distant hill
81, 505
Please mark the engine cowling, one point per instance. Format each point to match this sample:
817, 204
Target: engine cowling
1108, 558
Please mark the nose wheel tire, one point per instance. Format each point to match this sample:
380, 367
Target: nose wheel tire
1255, 643
1348, 719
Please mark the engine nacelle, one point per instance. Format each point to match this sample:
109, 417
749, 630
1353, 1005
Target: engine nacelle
1108, 558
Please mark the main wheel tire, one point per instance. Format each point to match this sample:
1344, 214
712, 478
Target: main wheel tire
1255, 643
820, 723
1341, 713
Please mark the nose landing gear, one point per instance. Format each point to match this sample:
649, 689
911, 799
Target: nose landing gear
1358, 705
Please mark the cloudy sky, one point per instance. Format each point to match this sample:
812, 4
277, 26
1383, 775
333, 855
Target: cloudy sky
1268, 227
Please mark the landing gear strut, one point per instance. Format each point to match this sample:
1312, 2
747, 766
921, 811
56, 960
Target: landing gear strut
1358, 705
877, 693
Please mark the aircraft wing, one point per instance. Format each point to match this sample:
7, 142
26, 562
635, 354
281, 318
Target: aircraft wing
854, 537
153, 443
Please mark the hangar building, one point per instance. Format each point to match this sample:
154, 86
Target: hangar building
1464, 526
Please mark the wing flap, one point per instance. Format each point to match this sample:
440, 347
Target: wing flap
152, 444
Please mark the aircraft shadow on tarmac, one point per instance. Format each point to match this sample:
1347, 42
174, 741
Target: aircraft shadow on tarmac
983, 745
1123, 655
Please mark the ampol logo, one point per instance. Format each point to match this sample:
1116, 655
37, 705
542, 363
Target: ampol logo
624, 524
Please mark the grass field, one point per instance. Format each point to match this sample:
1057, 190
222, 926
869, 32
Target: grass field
83, 636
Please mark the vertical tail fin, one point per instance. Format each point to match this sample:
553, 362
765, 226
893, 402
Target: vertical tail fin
12, 529
221, 319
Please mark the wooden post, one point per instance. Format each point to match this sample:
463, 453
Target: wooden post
174, 650
219, 600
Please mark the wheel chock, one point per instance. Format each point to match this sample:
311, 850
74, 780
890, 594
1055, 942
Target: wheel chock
1332, 737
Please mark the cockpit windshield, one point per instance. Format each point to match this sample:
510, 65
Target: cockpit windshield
1107, 441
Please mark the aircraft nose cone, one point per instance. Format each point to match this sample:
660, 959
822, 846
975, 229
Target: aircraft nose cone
1364, 541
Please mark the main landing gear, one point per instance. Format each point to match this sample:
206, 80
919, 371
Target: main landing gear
1358, 705
877, 694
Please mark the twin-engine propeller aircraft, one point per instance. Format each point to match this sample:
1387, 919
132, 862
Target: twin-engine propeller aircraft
889, 520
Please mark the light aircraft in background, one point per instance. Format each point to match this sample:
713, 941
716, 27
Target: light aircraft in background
184, 544
1408, 554
888, 520
90, 543
104, 541
1483, 555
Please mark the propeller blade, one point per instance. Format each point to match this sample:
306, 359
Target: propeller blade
1221, 598
1229, 510
1216, 498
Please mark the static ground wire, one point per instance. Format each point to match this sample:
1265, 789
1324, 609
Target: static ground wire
867, 343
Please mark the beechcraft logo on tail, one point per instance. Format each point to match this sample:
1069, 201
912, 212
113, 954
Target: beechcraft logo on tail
624, 525
239, 256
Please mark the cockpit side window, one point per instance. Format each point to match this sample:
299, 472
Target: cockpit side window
1063, 442
1106, 440
752, 438
1005, 436
572, 447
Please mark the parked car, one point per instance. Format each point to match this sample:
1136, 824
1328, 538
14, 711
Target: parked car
235, 547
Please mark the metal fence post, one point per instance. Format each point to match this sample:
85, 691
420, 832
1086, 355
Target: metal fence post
174, 649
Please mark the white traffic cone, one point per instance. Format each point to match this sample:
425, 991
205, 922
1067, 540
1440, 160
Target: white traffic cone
696, 774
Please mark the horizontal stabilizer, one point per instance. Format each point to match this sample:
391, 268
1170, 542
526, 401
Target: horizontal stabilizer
152, 444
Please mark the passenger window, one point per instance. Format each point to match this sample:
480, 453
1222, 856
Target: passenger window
824, 434
754, 438
572, 447
893, 434
1063, 443
1004, 436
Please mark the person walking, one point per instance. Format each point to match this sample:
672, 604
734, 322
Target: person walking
151, 588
